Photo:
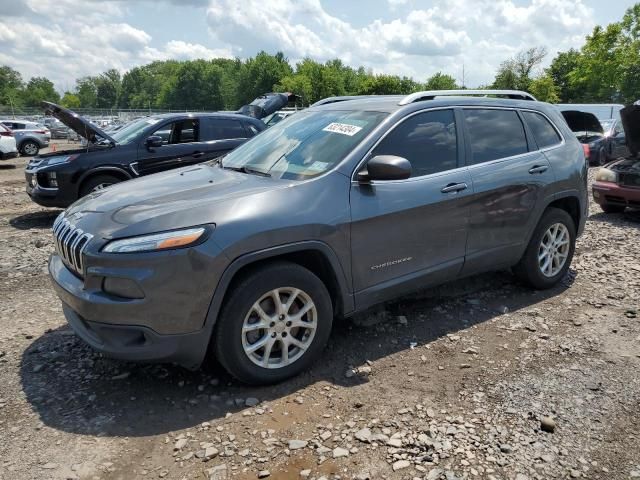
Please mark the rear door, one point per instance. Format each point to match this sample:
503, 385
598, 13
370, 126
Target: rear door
181, 146
510, 177
409, 233
221, 135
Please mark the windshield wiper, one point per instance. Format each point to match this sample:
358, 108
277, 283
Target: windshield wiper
249, 170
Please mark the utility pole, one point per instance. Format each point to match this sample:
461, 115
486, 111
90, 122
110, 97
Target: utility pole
463, 82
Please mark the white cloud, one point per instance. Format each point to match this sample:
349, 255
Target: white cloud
65, 39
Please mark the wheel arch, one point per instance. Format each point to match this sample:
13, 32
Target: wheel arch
121, 173
316, 256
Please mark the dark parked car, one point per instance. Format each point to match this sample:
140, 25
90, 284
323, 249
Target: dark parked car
57, 128
617, 185
616, 140
148, 145
590, 133
338, 208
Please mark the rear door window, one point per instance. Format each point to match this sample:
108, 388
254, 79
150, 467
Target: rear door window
428, 140
543, 132
222, 129
181, 131
494, 134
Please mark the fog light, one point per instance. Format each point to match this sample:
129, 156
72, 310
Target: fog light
53, 180
596, 194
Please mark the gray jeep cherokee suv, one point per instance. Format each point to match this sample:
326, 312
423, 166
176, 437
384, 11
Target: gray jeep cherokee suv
342, 206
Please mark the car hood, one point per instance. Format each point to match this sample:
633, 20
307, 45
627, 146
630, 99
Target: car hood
582, 121
175, 199
630, 116
76, 122
267, 104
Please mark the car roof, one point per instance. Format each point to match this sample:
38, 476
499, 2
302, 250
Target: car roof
225, 116
390, 103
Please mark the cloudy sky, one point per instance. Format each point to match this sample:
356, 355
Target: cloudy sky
66, 39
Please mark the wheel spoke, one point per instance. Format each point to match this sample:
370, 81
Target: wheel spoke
297, 343
285, 352
303, 324
290, 300
261, 313
298, 316
252, 347
255, 326
267, 351
277, 303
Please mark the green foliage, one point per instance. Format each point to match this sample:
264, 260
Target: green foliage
441, 81
70, 100
38, 89
544, 89
517, 72
10, 86
559, 70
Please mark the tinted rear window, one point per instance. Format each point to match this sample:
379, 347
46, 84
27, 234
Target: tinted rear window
544, 133
220, 129
494, 134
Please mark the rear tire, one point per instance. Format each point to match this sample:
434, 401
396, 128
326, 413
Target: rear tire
29, 148
541, 267
98, 182
253, 301
608, 208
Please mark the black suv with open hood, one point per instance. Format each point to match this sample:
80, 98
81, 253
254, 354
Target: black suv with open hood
144, 146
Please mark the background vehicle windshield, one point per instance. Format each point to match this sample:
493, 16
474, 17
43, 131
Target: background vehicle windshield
606, 124
306, 145
130, 132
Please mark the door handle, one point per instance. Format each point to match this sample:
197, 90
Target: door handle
197, 154
538, 169
454, 188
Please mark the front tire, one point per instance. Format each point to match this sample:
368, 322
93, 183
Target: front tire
548, 256
29, 148
274, 324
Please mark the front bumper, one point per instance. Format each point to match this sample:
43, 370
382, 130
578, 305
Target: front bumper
165, 322
47, 197
8, 155
614, 194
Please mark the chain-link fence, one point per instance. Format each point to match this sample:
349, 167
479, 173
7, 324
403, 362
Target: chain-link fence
122, 114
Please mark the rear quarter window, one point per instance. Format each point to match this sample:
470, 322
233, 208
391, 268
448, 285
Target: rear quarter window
544, 133
494, 134
221, 129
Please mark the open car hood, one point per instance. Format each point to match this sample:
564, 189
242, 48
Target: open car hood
267, 104
76, 123
630, 116
582, 121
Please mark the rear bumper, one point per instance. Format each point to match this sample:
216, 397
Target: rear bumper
8, 155
614, 194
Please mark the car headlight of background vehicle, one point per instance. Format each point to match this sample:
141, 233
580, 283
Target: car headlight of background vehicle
60, 159
606, 175
157, 241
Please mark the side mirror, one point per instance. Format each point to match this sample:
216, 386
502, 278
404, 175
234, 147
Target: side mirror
385, 167
154, 141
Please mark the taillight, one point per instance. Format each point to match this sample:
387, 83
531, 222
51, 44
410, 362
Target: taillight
41, 132
7, 133
587, 150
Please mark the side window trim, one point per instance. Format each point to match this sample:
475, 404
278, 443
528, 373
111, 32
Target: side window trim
367, 155
467, 136
553, 125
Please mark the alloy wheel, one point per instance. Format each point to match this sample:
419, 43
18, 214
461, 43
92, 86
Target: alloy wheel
554, 249
101, 186
30, 149
279, 327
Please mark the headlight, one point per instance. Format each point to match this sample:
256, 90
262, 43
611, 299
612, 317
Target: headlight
606, 175
62, 159
156, 241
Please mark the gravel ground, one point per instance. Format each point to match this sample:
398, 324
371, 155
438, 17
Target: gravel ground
481, 379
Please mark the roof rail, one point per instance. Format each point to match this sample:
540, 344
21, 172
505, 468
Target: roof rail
431, 94
344, 98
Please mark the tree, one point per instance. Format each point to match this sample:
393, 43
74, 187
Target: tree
196, 86
441, 81
86, 92
544, 89
258, 75
70, 100
38, 89
108, 86
10, 85
517, 72
560, 69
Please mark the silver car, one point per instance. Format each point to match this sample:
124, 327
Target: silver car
30, 136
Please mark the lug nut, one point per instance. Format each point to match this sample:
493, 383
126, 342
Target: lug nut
272, 324
273, 335
284, 334
281, 317
288, 323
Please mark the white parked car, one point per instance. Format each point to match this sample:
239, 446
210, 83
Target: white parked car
8, 148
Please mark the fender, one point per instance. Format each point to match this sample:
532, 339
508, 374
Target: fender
273, 252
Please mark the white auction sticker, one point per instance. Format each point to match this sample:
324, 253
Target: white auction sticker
343, 128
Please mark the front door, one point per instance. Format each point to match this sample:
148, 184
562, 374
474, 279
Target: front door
411, 233
181, 146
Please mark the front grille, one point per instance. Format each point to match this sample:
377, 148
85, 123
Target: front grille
629, 180
70, 243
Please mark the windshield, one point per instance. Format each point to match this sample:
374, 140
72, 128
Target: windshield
130, 132
306, 145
